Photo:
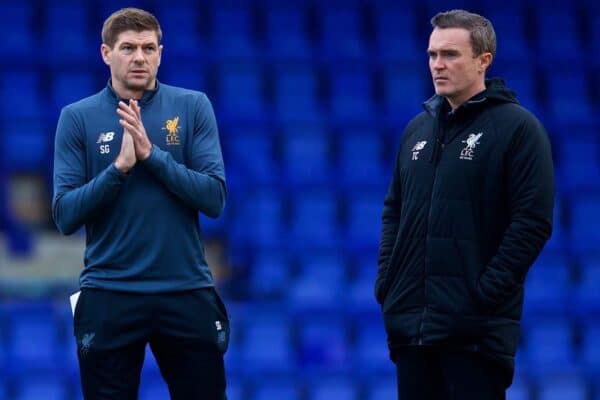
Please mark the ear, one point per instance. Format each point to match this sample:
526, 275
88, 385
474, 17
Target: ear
485, 60
105, 53
160, 49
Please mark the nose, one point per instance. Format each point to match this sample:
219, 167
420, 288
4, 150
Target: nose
437, 63
138, 56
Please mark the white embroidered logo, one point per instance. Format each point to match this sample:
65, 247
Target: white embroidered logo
106, 137
418, 147
469, 151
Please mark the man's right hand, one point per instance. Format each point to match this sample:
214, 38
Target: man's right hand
126, 158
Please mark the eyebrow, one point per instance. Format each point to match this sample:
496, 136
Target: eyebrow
443, 51
146, 44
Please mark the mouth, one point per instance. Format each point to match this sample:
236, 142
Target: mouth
138, 72
440, 79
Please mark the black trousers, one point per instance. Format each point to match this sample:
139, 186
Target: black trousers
437, 373
188, 333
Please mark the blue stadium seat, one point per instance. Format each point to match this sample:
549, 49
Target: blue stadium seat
287, 37
361, 291
593, 15
25, 100
558, 240
363, 228
240, 93
277, 390
36, 387
405, 90
361, 158
314, 221
67, 33
352, 95
321, 283
25, 147
323, 343
520, 77
548, 345
258, 221
585, 212
17, 31
579, 163
267, 343
235, 391
71, 86
568, 96
251, 155
306, 156
371, 354
558, 32
562, 388
181, 20
270, 274
587, 296
549, 286
383, 389
519, 390
34, 338
590, 347
510, 26
341, 34
296, 94
396, 38
338, 389
232, 36
184, 75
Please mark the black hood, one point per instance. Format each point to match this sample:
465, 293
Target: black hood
495, 92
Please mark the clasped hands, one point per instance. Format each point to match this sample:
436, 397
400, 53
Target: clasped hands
135, 145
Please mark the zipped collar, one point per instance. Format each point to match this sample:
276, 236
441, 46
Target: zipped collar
495, 92
147, 97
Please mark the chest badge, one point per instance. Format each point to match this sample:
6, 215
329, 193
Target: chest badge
469, 151
172, 128
418, 147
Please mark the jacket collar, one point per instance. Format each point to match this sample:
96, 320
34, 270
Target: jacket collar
147, 97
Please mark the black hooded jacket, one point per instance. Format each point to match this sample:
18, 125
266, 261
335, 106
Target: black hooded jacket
467, 212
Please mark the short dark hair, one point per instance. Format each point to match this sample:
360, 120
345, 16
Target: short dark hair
126, 19
483, 37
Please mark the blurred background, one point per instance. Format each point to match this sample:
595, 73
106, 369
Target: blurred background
311, 99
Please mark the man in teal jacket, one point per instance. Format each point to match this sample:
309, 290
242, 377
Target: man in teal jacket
134, 164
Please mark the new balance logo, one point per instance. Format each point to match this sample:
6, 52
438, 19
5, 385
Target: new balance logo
106, 137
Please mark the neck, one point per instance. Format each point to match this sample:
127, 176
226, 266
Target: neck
126, 93
458, 101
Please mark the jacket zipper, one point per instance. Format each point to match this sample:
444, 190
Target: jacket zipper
424, 313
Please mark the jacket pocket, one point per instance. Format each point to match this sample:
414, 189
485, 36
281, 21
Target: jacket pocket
222, 324
471, 268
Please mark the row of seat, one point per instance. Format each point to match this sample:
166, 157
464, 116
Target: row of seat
551, 387
342, 30
303, 84
277, 338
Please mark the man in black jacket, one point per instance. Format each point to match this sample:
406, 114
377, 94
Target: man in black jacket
467, 212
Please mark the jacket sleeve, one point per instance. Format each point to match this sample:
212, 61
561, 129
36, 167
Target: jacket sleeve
530, 191
202, 185
76, 201
390, 221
